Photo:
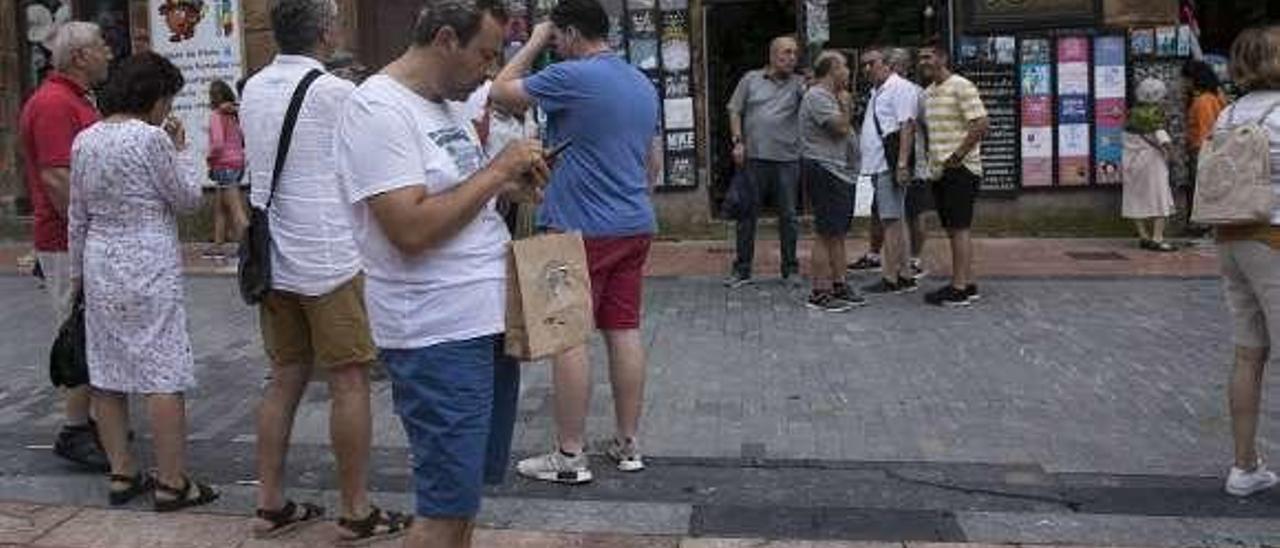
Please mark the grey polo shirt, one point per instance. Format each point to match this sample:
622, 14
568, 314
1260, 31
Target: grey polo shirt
818, 110
770, 111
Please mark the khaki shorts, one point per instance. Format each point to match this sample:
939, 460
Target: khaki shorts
1251, 279
329, 330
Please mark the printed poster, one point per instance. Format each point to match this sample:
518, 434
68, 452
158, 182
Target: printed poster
1074, 145
204, 39
676, 85
1036, 51
1142, 42
1073, 154
1073, 79
1167, 42
1006, 50
1109, 109
1037, 111
1035, 80
678, 113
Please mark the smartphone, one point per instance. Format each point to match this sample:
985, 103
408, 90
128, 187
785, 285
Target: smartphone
555, 151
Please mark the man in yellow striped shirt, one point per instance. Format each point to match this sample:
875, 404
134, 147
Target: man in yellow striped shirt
956, 122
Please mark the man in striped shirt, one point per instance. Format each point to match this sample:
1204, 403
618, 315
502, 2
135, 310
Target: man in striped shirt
956, 122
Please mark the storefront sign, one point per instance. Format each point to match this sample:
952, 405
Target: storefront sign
1006, 15
203, 38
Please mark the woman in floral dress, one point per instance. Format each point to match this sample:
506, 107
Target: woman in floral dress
129, 180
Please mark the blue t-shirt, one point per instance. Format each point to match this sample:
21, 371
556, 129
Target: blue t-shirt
610, 110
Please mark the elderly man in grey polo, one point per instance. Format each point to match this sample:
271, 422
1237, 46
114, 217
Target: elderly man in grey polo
764, 120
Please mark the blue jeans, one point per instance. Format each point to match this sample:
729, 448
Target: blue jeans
457, 402
782, 181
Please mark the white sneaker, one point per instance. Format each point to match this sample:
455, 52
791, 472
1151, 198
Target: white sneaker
626, 455
556, 467
1242, 484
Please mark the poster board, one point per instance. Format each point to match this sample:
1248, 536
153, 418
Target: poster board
990, 62
205, 39
1074, 113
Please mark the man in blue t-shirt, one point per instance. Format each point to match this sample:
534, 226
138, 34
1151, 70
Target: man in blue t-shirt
608, 113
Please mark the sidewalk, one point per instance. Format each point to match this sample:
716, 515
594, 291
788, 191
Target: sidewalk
999, 257
29, 525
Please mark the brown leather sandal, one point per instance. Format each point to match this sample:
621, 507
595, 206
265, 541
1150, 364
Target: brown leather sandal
183, 497
380, 525
288, 518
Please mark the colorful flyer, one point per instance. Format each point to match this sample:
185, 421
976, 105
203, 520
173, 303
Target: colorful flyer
1037, 111
1035, 51
1037, 142
1035, 80
1073, 78
643, 23
1073, 109
1142, 42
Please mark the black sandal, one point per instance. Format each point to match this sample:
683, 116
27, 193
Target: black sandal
378, 526
138, 484
182, 495
288, 518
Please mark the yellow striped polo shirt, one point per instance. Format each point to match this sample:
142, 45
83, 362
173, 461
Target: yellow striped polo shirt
949, 107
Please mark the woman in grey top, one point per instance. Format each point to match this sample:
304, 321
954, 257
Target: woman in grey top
829, 165
1250, 257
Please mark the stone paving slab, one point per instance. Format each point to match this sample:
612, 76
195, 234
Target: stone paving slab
22, 523
1034, 257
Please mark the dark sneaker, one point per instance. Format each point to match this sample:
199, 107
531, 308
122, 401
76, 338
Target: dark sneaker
883, 287
844, 293
865, 262
826, 302
79, 444
971, 291
735, 281
907, 285
948, 296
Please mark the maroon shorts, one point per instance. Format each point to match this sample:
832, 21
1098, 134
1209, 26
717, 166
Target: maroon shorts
617, 279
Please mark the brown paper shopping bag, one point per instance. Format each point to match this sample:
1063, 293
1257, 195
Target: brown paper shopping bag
548, 296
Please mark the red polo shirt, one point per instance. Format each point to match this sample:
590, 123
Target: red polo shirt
51, 119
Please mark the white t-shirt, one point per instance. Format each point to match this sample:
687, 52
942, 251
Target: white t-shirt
313, 251
390, 138
894, 103
1248, 109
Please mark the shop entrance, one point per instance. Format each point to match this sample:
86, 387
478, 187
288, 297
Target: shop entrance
737, 40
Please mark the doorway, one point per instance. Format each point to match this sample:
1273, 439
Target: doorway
737, 40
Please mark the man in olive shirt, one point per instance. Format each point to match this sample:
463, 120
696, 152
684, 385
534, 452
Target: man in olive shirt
765, 125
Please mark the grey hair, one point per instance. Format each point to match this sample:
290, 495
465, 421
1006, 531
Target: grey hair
299, 25
825, 62
70, 37
463, 16
898, 59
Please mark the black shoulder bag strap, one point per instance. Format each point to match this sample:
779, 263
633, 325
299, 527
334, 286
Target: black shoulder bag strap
286, 131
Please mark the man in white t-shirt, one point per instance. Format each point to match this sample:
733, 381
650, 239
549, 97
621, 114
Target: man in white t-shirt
314, 316
887, 143
435, 249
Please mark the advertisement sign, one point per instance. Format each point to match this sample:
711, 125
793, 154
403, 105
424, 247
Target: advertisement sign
1037, 113
1109, 108
204, 39
1074, 142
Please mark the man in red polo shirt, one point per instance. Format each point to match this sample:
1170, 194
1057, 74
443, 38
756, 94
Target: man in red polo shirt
60, 108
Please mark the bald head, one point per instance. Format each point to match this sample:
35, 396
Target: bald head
783, 53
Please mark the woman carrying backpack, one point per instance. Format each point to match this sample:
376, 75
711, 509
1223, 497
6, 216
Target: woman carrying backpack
1250, 254
1146, 197
1207, 102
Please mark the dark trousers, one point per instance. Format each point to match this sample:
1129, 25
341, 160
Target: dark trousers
765, 178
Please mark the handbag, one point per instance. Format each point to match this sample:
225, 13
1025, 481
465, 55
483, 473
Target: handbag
68, 361
891, 143
254, 271
736, 202
548, 296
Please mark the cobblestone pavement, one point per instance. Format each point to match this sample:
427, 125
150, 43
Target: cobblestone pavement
1054, 398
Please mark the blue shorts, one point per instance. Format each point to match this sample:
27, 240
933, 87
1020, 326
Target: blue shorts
891, 198
457, 402
226, 177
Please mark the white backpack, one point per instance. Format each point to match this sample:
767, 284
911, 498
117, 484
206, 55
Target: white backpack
1233, 177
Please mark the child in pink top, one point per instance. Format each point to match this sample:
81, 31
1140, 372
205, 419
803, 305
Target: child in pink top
226, 167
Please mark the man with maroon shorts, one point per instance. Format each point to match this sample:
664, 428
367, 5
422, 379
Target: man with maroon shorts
608, 112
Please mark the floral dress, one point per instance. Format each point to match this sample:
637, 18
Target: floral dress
128, 183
